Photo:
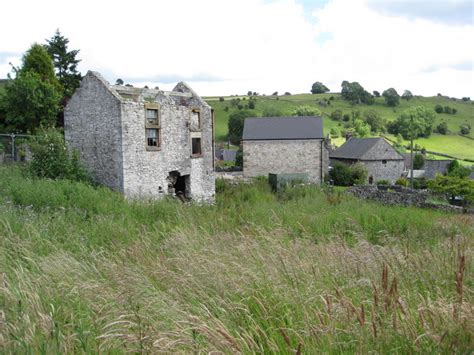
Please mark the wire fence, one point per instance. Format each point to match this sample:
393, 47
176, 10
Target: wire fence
14, 147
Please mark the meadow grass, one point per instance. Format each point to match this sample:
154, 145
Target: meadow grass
84, 270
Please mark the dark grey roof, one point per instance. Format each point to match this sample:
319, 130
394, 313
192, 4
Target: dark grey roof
366, 149
269, 128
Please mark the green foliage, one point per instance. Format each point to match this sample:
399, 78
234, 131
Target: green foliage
453, 186
30, 102
306, 110
348, 175
336, 115
442, 128
383, 182
52, 159
119, 82
236, 125
221, 99
374, 120
2, 148
420, 183
402, 182
438, 108
355, 93
239, 157
407, 95
391, 96
413, 123
271, 111
418, 161
65, 63
376, 93
319, 88
37, 60
335, 132
252, 103
465, 128
458, 170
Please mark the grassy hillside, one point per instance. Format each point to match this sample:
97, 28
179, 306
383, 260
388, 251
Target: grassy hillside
85, 271
453, 145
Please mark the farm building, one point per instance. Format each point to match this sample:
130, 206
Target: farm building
144, 143
380, 159
285, 145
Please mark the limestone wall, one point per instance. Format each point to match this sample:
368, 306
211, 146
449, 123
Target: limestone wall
92, 126
391, 170
285, 156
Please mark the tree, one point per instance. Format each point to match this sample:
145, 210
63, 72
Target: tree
453, 186
391, 96
65, 63
319, 88
33, 97
407, 95
355, 93
120, 82
336, 115
348, 175
413, 123
374, 120
376, 93
306, 110
335, 132
465, 128
236, 125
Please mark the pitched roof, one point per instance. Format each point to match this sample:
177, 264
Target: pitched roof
270, 128
366, 149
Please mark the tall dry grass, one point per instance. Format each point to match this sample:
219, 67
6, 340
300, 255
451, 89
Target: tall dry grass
252, 274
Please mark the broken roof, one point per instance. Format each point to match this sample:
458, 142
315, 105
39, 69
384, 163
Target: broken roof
366, 149
271, 128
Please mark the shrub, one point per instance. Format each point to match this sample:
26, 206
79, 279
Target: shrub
442, 128
52, 159
348, 175
306, 110
465, 128
466, 98
335, 132
448, 110
336, 115
239, 158
402, 182
418, 161
438, 108
287, 93
383, 182
221, 99
2, 148
420, 183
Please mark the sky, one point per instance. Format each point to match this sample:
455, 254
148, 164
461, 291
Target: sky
225, 47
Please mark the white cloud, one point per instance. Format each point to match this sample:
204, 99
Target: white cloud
228, 47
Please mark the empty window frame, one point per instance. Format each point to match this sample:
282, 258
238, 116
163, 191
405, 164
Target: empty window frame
195, 119
152, 127
196, 147
384, 162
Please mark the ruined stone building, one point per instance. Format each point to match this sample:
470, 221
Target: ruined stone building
285, 145
144, 143
380, 159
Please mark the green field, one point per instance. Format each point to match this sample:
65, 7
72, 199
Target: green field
84, 271
453, 144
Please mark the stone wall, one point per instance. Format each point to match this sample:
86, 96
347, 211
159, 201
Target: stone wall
391, 170
285, 156
92, 125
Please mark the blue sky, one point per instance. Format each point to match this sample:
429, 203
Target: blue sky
232, 46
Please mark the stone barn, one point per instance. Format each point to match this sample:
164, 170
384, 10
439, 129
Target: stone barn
284, 145
380, 159
144, 143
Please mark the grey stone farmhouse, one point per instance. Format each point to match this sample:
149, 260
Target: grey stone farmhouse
285, 145
144, 143
380, 159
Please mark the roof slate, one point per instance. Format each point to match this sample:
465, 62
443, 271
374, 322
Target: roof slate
276, 128
366, 149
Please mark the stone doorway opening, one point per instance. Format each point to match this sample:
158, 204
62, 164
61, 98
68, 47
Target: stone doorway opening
179, 185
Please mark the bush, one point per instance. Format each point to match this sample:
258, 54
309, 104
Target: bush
465, 128
383, 182
239, 158
402, 182
52, 159
335, 133
348, 175
306, 110
442, 128
287, 93
466, 98
420, 183
448, 110
336, 115
438, 108
418, 161
221, 99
